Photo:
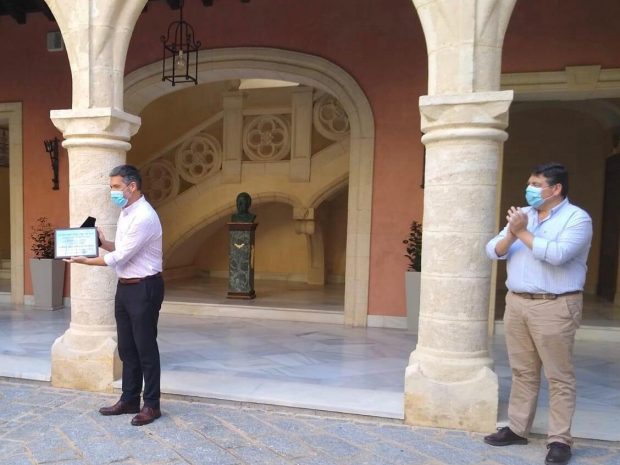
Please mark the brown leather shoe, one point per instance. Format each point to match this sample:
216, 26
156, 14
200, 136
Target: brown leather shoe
147, 415
120, 408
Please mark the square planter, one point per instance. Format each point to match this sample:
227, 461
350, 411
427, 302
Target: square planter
412, 293
48, 279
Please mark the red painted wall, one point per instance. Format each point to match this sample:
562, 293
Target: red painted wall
379, 43
367, 39
41, 80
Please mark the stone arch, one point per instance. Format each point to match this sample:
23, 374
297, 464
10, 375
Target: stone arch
144, 85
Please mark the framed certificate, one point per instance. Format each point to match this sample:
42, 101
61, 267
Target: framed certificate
76, 242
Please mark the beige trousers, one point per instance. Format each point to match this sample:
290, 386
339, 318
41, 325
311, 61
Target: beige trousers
542, 333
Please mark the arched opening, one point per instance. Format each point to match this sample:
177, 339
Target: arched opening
349, 159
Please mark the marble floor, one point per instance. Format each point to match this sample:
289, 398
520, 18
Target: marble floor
306, 365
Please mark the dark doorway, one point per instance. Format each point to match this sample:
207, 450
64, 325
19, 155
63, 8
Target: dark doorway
610, 238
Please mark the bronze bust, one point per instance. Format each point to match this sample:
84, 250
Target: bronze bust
243, 214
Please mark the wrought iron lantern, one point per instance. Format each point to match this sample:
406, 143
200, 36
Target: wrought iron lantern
51, 147
180, 63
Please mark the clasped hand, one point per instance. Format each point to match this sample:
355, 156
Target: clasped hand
517, 220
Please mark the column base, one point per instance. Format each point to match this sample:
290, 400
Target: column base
469, 405
88, 363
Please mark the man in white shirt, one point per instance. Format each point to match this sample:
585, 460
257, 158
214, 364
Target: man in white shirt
136, 256
546, 247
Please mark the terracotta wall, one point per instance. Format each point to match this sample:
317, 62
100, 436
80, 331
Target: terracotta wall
380, 44
41, 80
366, 39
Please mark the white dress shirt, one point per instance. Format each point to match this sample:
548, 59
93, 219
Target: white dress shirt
557, 261
138, 242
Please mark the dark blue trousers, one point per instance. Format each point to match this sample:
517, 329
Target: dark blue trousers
136, 309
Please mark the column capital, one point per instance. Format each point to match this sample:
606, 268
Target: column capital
479, 115
98, 127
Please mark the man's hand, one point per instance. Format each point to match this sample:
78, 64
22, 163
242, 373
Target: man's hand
517, 220
100, 233
81, 260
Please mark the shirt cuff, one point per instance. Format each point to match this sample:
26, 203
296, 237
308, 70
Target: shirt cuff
539, 247
491, 251
109, 259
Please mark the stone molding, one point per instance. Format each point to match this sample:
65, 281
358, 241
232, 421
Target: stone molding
572, 83
482, 115
464, 43
79, 127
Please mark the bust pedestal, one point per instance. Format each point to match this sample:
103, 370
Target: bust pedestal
241, 261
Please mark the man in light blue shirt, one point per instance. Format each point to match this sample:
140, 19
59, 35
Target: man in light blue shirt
546, 247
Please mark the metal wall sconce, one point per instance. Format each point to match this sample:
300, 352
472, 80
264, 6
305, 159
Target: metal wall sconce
51, 147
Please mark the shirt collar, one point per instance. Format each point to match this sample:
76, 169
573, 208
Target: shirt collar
127, 210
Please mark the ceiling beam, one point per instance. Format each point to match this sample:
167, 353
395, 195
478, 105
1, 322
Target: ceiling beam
16, 11
45, 10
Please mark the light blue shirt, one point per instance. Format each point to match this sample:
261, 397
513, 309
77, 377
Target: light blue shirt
557, 261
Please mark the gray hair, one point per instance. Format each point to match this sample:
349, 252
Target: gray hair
129, 173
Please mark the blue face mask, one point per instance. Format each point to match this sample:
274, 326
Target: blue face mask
118, 198
533, 196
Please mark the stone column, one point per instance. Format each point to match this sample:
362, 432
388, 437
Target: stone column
96, 140
97, 132
449, 382
301, 143
306, 224
233, 134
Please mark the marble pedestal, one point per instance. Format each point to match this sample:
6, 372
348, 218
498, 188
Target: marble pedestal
241, 261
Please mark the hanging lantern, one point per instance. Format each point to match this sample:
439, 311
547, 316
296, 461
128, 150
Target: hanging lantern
180, 63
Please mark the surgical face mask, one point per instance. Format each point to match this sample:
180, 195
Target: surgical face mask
533, 196
118, 198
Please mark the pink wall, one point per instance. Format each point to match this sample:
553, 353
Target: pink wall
40, 80
379, 43
365, 38
549, 35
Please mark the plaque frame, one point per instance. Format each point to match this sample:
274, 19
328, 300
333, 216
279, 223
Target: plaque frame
88, 246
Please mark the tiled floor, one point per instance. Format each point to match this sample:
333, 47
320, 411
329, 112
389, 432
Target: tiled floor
309, 365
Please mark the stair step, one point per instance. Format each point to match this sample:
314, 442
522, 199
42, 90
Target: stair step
5, 274
5, 263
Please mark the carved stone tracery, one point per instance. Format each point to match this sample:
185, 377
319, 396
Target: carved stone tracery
330, 119
267, 138
198, 157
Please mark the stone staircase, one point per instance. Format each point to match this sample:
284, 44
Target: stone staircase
5, 268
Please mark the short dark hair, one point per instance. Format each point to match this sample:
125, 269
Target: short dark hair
554, 173
129, 173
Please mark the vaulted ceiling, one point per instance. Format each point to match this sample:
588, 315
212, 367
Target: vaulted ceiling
20, 9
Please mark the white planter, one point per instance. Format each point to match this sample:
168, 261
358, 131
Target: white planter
412, 293
48, 279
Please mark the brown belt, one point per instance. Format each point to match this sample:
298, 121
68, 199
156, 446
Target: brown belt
528, 295
137, 280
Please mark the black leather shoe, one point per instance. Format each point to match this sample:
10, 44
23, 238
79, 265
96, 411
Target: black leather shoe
559, 454
121, 408
147, 415
504, 437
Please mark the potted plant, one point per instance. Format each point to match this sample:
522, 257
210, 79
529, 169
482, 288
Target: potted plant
47, 274
413, 249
